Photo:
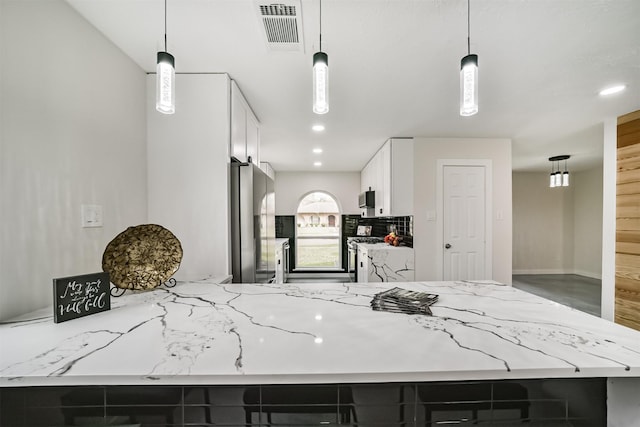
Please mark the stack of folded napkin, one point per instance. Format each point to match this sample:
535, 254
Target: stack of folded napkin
400, 300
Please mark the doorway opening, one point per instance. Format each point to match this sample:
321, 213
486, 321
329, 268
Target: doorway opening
318, 232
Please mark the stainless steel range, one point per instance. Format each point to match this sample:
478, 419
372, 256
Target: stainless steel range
365, 240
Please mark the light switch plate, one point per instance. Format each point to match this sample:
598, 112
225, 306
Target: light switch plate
91, 216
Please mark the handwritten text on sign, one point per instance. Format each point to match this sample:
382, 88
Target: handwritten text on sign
80, 296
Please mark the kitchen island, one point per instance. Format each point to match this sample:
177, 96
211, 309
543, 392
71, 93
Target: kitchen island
203, 333
380, 262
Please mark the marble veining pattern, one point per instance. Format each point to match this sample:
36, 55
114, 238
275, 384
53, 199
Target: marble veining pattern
203, 332
389, 263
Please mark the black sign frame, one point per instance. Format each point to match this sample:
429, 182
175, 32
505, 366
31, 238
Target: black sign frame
79, 296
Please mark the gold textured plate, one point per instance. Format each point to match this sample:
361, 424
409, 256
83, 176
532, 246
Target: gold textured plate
142, 257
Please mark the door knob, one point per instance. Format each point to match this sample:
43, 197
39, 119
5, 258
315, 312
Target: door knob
447, 246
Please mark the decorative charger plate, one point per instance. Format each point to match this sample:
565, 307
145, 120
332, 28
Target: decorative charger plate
142, 257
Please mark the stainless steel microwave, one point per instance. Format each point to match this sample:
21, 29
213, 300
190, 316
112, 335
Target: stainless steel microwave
367, 199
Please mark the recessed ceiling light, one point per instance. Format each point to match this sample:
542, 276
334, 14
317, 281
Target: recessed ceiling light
317, 150
318, 128
317, 163
612, 89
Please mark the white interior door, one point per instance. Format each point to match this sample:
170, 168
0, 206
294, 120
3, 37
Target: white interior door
464, 210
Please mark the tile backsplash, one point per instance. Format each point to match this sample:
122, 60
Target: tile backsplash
381, 226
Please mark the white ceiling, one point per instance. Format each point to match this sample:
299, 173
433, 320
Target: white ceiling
394, 68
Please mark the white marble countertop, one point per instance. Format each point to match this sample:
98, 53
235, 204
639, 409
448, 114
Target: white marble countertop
206, 333
382, 247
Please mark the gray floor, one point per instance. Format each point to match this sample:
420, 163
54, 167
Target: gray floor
579, 292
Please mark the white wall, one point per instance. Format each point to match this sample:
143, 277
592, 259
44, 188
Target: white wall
542, 225
291, 187
587, 223
609, 173
188, 163
557, 230
72, 132
427, 152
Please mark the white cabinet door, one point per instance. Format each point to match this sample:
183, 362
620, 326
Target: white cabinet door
366, 183
376, 178
365, 178
401, 177
390, 174
383, 179
238, 125
253, 138
245, 129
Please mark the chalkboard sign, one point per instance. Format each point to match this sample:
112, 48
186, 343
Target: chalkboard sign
80, 296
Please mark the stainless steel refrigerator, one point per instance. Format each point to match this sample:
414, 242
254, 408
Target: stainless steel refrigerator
253, 235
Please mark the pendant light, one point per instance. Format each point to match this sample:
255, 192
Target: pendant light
165, 76
320, 77
565, 174
469, 76
557, 178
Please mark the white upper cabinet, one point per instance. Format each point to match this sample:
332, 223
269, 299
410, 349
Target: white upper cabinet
245, 129
253, 138
390, 174
238, 125
383, 180
367, 182
365, 178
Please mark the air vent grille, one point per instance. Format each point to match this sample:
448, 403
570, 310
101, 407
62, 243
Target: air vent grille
281, 30
277, 10
281, 25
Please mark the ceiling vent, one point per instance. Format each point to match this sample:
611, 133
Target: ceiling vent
282, 25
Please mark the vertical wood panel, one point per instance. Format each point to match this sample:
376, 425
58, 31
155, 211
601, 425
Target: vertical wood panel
627, 293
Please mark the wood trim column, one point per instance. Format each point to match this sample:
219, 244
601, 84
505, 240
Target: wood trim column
627, 295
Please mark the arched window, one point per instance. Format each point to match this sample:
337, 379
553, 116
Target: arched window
318, 234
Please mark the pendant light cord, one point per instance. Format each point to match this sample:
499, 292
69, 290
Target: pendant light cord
165, 25
320, 25
468, 28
